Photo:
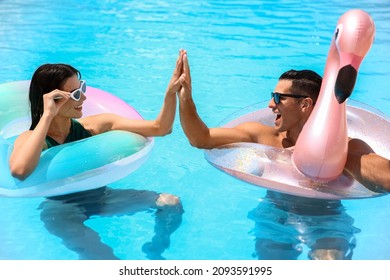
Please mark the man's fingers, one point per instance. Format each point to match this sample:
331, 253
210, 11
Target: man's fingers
179, 65
182, 79
177, 85
185, 83
186, 67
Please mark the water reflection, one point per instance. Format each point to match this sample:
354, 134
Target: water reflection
65, 216
284, 224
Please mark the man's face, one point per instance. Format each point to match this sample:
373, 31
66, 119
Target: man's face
288, 111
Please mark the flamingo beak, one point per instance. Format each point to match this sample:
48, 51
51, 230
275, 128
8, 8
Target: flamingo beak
345, 82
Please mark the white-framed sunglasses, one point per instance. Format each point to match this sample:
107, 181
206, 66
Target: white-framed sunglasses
76, 94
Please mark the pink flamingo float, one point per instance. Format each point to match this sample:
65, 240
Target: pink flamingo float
321, 149
314, 168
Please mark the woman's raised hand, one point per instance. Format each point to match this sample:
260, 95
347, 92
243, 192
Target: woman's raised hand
53, 101
174, 84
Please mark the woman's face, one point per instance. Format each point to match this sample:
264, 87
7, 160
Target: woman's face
72, 108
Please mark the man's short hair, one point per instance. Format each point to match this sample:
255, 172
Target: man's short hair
304, 82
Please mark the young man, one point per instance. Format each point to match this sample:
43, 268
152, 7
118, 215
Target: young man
292, 102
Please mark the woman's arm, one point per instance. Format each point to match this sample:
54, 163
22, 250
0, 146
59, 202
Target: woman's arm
29, 145
366, 166
161, 126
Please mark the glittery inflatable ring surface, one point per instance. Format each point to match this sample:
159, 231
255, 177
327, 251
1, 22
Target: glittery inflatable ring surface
272, 168
77, 166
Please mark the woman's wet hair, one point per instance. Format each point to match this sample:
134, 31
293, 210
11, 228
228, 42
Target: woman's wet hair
45, 79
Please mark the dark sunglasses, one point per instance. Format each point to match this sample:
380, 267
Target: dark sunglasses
276, 96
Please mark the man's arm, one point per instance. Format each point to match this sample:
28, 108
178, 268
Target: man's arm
366, 166
197, 132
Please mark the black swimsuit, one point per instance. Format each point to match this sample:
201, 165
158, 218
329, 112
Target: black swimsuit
77, 132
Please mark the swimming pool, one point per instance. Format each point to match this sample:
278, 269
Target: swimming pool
237, 49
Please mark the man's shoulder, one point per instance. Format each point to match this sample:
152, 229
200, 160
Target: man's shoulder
259, 132
255, 126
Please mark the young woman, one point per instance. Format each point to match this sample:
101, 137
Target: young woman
56, 98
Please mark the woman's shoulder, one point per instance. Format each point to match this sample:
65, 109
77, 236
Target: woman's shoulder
96, 124
25, 136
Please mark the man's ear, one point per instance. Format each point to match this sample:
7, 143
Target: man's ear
307, 103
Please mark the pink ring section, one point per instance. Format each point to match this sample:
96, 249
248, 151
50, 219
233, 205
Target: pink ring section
99, 101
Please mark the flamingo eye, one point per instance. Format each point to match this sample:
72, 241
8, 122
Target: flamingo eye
338, 31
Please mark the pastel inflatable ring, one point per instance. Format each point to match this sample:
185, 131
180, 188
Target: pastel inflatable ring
272, 168
77, 166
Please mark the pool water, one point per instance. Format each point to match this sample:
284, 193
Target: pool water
237, 50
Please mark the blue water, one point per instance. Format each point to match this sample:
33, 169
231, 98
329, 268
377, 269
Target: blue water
237, 49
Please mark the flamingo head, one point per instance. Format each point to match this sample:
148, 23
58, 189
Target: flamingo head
353, 38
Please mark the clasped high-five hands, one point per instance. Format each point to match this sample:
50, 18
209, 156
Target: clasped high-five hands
180, 82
